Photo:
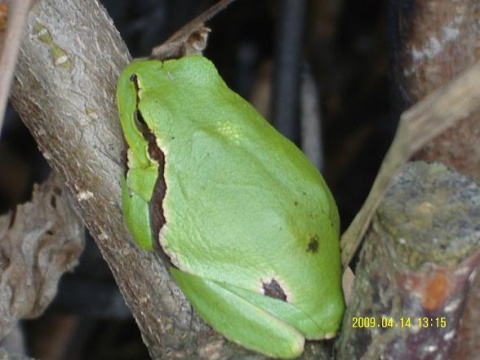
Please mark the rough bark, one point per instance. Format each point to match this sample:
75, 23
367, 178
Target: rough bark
64, 90
422, 122
413, 275
438, 40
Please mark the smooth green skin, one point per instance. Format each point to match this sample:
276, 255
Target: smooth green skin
242, 206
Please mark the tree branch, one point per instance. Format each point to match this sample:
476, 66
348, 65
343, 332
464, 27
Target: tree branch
64, 91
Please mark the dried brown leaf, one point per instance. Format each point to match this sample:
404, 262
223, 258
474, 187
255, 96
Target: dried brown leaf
38, 243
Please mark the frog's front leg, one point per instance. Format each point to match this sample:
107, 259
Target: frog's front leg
137, 190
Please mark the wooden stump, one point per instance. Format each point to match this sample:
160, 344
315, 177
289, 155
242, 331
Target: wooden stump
413, 275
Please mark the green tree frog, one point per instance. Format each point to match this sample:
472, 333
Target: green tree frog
245, 221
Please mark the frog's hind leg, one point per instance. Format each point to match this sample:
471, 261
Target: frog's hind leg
238, 319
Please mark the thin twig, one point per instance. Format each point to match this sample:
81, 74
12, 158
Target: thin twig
288, 58
418, 125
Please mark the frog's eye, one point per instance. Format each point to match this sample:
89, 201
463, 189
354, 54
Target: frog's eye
140, 124
154, 152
